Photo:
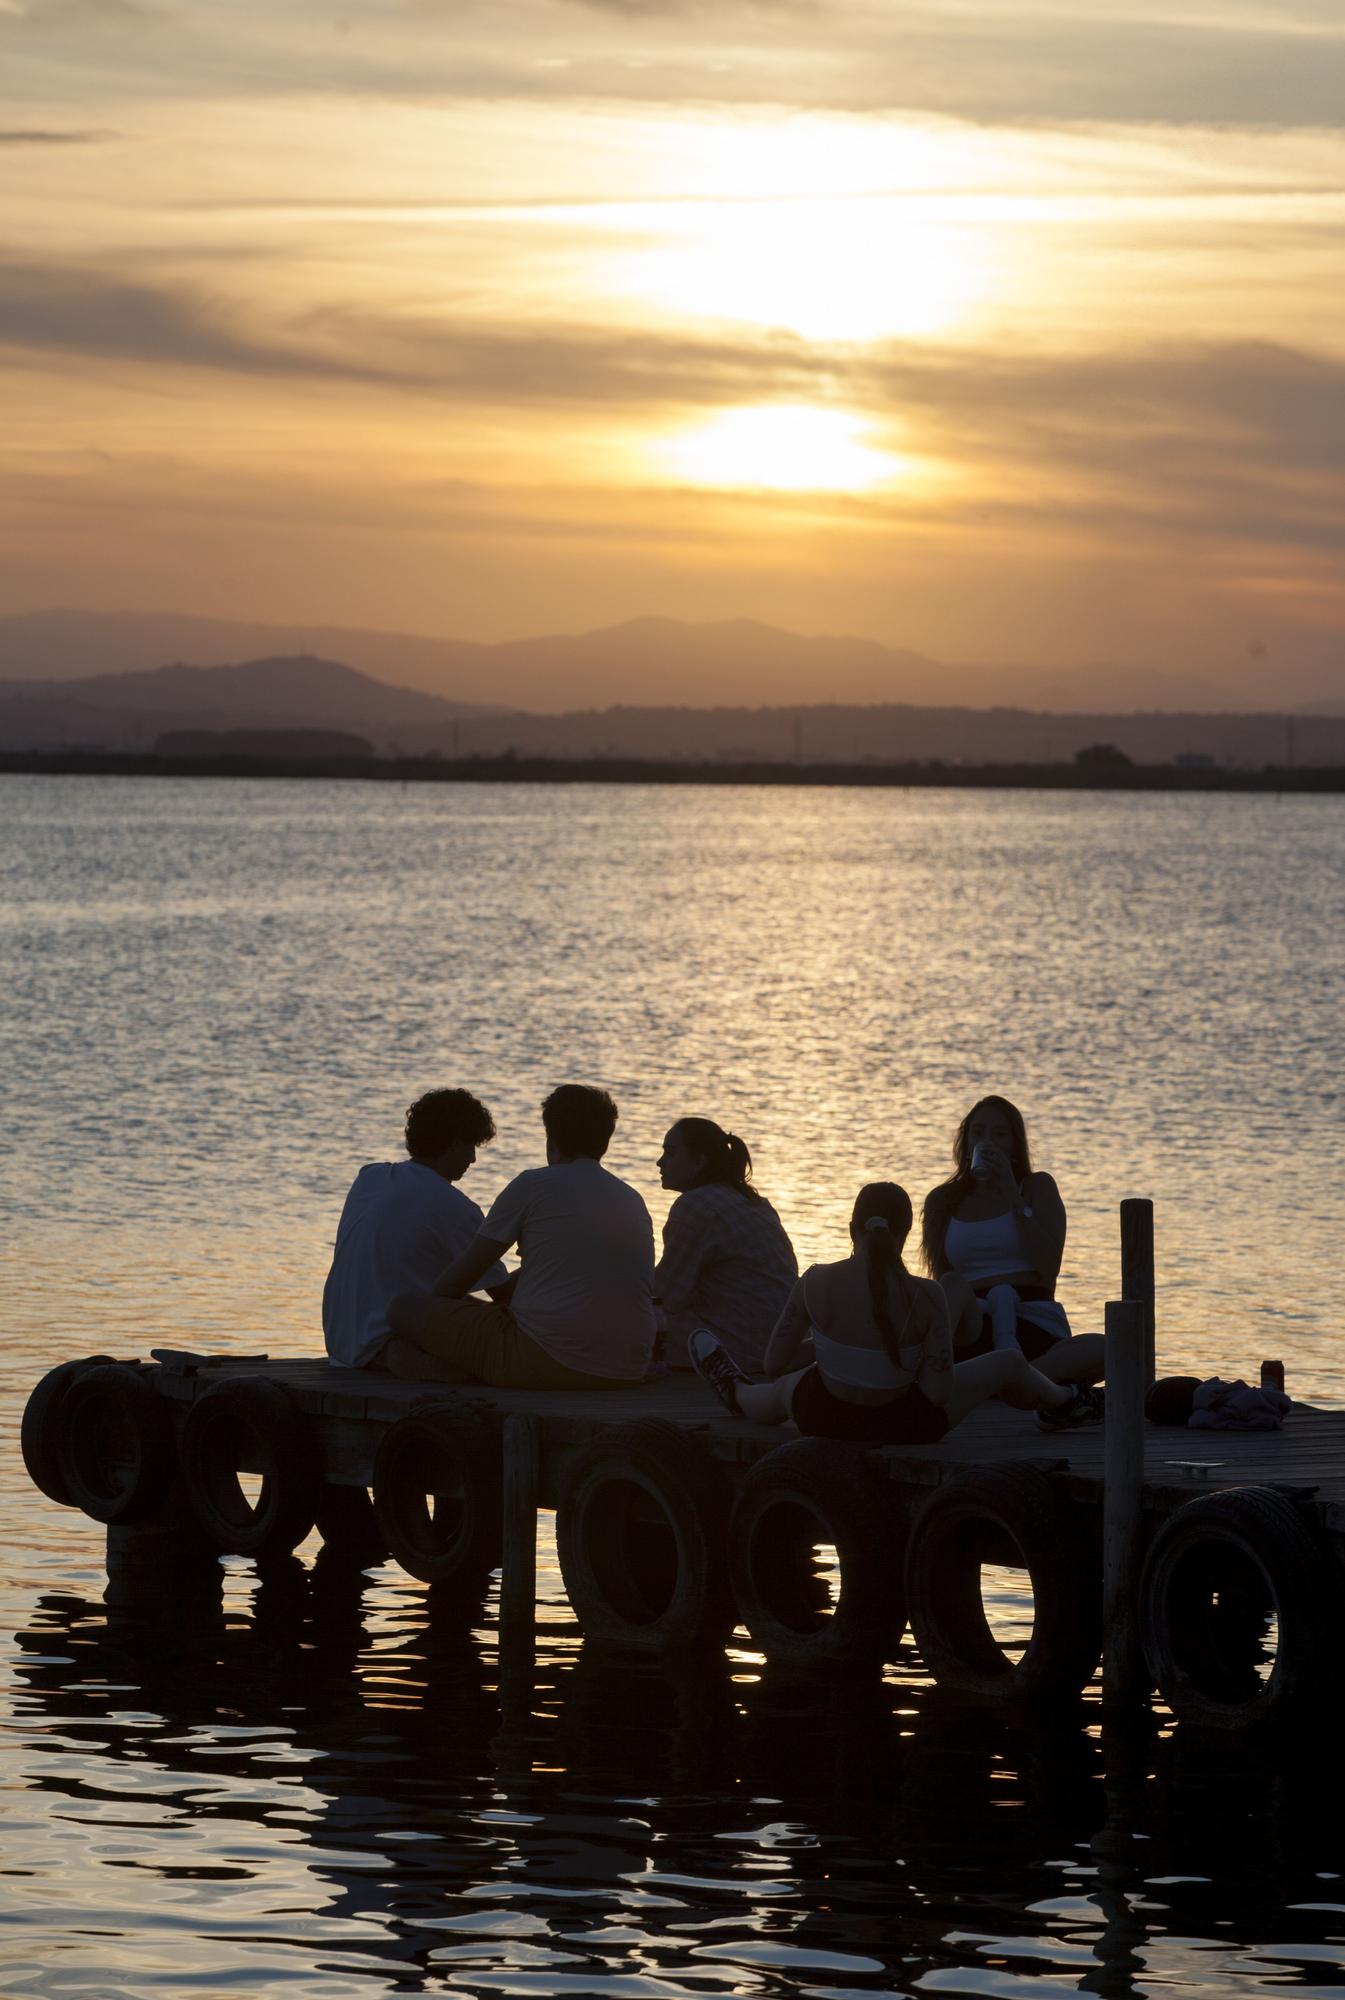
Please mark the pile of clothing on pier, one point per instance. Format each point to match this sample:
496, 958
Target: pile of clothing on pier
1214, 1405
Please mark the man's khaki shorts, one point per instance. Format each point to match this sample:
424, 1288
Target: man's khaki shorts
483, 1342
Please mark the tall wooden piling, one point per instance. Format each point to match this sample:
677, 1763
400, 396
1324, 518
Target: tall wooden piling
518, 1579
1123, 1673
518, 1592
1137, 1269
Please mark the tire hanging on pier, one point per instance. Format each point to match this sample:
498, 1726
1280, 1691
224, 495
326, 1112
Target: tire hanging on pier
640, 1533
1011, 1515
438, 1481
44, 1426
811, 1493
251, 1426
116, 1457
1240, 1611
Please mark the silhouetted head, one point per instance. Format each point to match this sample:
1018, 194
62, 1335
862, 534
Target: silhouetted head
579, 1121
1001, 1123
444, 1129
698, 1153
881, 1208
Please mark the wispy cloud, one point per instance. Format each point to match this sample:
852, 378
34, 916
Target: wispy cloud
87, 309
34, 137
459, 270
75, 309
1114, 62
1238, 439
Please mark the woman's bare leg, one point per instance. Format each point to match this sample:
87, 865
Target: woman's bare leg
1082, 1359
1007, 1375
964, 1310
768, 1402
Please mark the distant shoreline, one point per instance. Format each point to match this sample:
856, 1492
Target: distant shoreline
650, 771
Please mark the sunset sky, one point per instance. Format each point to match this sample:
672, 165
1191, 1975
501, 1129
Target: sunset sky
996, 332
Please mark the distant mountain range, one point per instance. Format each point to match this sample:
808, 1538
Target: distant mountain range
123, 711
134, 711
656, 662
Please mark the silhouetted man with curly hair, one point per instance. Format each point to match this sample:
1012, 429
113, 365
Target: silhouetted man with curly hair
403, 1221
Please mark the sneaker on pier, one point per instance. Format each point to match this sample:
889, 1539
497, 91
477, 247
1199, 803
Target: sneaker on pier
715, 1365
1089, 1407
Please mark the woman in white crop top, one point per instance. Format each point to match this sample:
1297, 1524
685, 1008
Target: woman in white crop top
994, 1239
864, 1351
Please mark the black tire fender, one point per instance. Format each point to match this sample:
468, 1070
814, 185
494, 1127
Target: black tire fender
438, 1495
807, 1492
641, 1530
44, 1425
1013, 1514
251, 1424
116, 1456
1215, 1572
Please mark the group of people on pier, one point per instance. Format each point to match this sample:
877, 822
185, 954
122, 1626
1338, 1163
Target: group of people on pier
859, 1348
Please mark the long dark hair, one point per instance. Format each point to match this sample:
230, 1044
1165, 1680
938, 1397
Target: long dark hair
941, 1202
727, 1160
880, 1222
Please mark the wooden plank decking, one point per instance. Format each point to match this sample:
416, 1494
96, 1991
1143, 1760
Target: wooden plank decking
354, 1407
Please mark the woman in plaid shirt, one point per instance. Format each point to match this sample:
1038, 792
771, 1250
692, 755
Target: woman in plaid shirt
727, 1262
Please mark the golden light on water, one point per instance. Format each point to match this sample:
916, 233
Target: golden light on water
788, 448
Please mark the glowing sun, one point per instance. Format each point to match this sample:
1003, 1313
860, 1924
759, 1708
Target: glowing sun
790, 448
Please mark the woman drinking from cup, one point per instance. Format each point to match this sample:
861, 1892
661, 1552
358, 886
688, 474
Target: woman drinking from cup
994, 1235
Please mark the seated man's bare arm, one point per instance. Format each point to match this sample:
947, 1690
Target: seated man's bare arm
465, 1273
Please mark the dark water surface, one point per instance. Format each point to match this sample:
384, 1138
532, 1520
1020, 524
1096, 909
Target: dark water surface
218, 999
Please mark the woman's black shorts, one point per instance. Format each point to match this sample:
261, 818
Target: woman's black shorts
909, 1419
1030, 1337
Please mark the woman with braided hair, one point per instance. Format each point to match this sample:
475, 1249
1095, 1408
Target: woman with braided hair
865, 1351
727, 1262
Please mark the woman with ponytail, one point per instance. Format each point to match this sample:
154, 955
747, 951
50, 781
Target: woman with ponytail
727, 1262
865, 1351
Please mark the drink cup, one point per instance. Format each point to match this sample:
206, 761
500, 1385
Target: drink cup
982, 1162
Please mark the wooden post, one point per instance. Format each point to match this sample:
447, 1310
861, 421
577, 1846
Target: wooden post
1123, 1672
518, 1595
1118, 1888
1137, 1270
164, 1571
518, 1580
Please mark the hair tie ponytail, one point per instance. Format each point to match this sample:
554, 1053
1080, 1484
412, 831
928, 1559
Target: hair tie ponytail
727, 1160
876, 1222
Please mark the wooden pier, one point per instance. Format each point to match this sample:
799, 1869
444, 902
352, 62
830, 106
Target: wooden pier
1209, 1564
677, 1523
354, 1407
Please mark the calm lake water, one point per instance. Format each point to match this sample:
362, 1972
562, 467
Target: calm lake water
218, 1000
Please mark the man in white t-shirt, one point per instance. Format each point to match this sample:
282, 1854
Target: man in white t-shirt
403, 1221
581, 1314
